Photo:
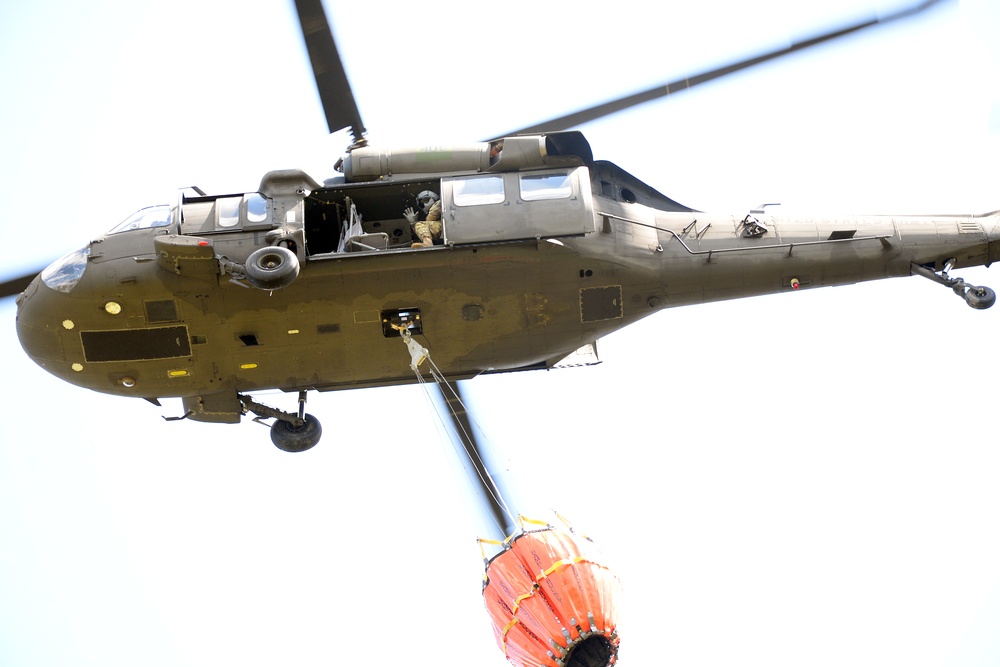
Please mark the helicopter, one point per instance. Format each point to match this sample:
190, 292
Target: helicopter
873, 346
307, 286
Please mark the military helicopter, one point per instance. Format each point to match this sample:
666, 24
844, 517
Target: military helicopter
685, 328
306, 285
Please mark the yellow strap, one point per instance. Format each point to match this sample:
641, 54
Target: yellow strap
562, 563
524, 519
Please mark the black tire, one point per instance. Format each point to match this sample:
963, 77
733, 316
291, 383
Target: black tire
294, 439
272, 268
980, 298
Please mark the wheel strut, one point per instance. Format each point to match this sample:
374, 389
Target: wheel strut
290, 432
979, 297
267, 412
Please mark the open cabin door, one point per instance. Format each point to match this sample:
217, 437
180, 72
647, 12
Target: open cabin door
516, 206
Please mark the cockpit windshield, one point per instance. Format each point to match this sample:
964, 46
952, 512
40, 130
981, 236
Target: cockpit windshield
145, 218
65, 273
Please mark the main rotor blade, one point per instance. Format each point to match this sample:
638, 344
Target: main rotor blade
601, 110
334, 89
489, 481
15, 286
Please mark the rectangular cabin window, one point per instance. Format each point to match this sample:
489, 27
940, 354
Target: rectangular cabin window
478, 190
495, 207
535, 187
229, 211
256, 208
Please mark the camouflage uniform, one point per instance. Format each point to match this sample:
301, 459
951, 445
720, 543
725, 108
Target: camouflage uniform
429, 228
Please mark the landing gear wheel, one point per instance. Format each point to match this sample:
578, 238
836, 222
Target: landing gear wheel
272, 268
980, 298
289, 438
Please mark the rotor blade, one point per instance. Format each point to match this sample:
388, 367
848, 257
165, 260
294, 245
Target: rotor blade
331, 80
490, 483
600, 111
15, 286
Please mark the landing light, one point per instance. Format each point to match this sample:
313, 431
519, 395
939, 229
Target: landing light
112, 307
128, 381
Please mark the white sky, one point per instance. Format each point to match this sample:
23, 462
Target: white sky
808, 479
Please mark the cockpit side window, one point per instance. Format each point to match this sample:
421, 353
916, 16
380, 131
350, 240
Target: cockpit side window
146, 218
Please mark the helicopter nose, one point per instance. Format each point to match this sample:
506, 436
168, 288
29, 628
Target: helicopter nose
41, 329
45, 314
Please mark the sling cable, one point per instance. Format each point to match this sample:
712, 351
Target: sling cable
550, 599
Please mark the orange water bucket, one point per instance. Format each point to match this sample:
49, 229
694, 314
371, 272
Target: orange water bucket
552, 602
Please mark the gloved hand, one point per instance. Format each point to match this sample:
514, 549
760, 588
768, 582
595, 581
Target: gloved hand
410, 214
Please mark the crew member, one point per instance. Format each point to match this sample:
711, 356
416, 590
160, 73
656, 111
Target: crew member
428, 229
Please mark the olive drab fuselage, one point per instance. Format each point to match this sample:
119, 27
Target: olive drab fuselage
305, 286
